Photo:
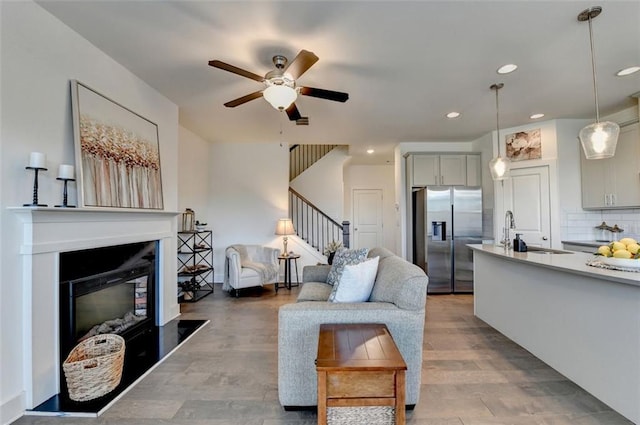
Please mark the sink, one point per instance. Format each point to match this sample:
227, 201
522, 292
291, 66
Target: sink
540, 250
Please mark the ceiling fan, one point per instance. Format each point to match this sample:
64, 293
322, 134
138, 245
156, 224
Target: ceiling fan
280, 89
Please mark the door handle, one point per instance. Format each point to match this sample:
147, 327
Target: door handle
544, 238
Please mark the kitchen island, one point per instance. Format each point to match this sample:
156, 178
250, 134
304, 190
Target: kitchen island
583, 321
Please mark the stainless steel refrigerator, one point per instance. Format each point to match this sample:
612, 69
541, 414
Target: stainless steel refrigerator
445, 220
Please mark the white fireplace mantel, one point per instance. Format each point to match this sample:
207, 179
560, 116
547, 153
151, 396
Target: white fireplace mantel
46, 232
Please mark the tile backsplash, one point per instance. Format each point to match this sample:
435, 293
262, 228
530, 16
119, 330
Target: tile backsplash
580, 224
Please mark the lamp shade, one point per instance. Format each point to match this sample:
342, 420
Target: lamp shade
284, 227
499, 168
280, 96
599, 139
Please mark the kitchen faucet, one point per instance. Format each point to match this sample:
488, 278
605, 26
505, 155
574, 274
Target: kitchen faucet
509, 223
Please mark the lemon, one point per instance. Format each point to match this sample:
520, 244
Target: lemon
616, 246
633, 248
604, 250
628, 241
622, 253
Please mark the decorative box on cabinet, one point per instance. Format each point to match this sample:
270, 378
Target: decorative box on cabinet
614, 182
195, 265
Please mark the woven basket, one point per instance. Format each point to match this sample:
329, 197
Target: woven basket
94, 367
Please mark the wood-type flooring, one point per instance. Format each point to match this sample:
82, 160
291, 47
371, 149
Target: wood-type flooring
227, 374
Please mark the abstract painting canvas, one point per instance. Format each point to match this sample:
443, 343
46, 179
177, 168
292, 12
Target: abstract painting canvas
117, 153
524, 145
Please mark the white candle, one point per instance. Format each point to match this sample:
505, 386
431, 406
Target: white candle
65, 171
37, 160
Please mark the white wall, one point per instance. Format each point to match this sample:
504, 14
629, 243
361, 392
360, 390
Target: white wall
38, 57
374, 177
247, 195
194, 177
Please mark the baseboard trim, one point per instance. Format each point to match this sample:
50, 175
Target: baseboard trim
12, 409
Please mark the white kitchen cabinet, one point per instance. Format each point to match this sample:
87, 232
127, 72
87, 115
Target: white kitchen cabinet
614, 182
446, 169
426, 170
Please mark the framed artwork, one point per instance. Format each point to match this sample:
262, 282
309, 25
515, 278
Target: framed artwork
524, 145
117, 153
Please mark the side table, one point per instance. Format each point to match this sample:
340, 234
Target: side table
288, 258
358, 364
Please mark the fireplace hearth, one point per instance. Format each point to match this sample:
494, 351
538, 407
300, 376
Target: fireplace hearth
151, 350
112, 290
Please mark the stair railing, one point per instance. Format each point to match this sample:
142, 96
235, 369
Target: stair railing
314, 226
302, 157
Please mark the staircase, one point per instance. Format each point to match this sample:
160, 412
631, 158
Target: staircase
313, 226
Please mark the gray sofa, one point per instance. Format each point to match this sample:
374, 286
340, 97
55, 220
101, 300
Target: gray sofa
398, 300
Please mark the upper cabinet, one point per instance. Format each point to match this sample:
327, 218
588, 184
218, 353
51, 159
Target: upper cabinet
614, 182
445, 170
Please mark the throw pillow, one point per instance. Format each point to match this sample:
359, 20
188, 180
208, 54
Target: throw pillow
356, 282
341, 259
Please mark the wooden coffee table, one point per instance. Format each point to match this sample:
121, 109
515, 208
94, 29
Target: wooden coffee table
359, 365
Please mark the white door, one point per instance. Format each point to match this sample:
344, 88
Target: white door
367, 218
527, 196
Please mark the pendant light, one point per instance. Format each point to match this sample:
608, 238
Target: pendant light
499, 166
600, 138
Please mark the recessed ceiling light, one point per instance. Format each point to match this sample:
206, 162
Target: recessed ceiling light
370, 151
506, 69
453, 114
628, 71
536, 116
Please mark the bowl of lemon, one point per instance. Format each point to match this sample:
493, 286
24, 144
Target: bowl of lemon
622, 253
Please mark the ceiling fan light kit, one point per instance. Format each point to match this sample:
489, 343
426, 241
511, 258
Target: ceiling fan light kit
281, 90
499, 166
599, 139
280, 96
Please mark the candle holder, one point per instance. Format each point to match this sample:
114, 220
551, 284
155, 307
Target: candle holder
64, 193
35, 187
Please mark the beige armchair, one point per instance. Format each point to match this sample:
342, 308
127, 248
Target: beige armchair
247, 266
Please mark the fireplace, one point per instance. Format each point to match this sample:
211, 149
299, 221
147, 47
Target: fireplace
45, 235
109, 290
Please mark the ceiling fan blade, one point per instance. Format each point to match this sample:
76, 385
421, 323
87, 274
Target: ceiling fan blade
293, 113
325, 94
235, 70
243, 99
301, 64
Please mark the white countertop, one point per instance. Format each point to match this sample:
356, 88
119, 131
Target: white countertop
570, 263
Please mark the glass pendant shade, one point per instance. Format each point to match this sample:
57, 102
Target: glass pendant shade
499, 168
280, 96
599, 139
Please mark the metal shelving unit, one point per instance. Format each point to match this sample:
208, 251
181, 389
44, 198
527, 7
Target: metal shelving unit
195, 265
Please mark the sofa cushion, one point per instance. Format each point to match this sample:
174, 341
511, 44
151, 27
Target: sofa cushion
314, 291
356, 282
341, 259
380, 252
394, 271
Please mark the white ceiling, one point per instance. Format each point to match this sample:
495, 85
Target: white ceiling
404, 64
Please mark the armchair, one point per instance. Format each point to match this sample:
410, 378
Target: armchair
250, 265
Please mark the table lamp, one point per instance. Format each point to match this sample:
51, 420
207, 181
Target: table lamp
284, 227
